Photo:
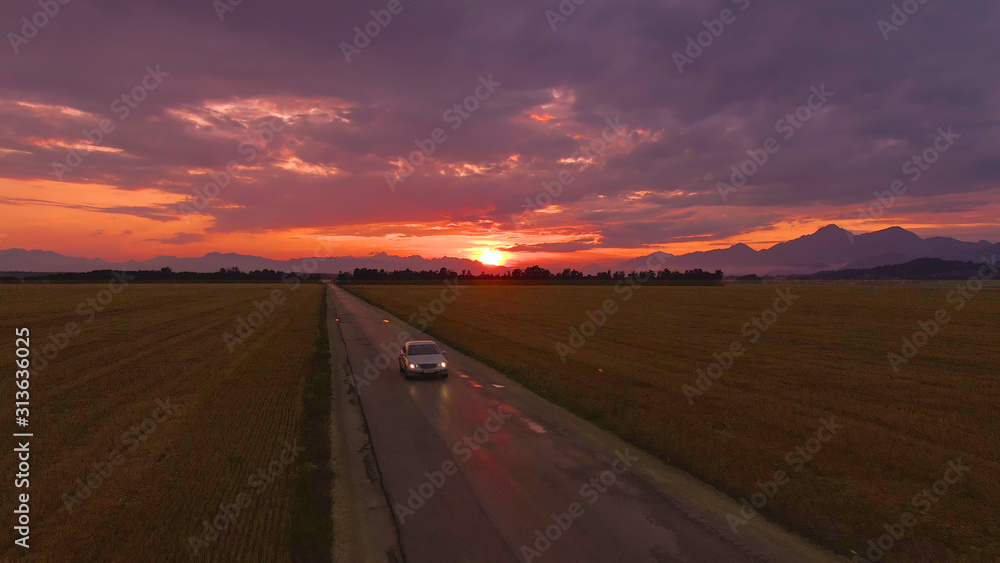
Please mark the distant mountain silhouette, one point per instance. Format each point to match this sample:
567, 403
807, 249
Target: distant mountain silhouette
20, 260
919, 269
829, 248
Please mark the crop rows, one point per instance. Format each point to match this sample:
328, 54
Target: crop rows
235, 412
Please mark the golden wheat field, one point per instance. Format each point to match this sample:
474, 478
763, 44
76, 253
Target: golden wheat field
825, 355
145, 422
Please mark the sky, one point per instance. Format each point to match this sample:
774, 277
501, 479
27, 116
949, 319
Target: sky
533, 131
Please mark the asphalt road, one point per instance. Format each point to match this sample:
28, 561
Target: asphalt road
479, 469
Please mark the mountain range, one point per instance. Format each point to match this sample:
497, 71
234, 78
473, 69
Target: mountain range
919, 269
829, 248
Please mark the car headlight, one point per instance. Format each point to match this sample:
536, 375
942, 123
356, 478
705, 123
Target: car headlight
413, 366
444, 365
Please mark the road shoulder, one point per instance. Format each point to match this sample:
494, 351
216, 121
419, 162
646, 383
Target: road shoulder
364, 523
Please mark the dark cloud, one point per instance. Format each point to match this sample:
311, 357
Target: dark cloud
572, 246
180, 238
346, 123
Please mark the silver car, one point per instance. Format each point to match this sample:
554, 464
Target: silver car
422, 357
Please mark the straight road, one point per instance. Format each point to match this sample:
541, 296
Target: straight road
479, 469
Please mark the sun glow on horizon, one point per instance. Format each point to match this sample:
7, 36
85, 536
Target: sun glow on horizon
492, 257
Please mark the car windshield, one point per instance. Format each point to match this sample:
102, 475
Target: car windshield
423, 349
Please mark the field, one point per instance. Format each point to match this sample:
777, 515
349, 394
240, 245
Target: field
145, 420
824, 354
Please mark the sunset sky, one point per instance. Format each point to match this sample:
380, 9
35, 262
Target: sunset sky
266, 88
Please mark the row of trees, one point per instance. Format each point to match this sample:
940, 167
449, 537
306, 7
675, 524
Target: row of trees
234, 274
166, 274
407, 274
539, 273
529, 273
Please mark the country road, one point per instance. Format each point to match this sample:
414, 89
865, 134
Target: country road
479, 469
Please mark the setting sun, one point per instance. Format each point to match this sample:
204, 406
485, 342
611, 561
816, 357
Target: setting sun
491, 257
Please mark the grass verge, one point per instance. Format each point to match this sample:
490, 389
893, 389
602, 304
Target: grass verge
311, 528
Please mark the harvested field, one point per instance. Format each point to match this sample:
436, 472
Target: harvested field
145, 421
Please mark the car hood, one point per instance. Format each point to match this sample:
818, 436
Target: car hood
426, 359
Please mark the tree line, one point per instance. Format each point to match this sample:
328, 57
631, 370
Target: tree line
532, 273
233, 274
